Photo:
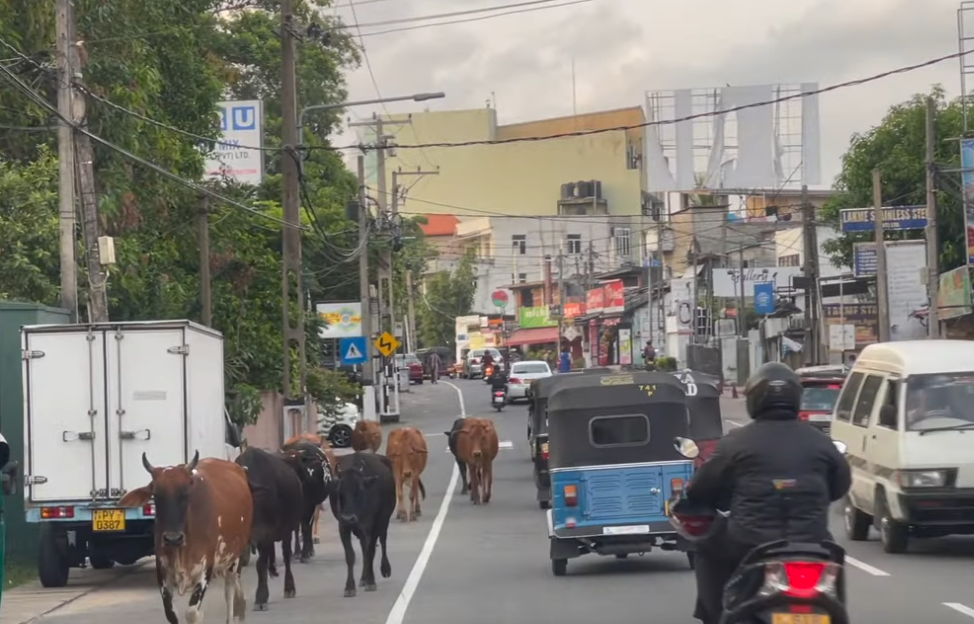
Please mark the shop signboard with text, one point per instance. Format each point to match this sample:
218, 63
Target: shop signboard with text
535, 317
614, 297
574, 310
595, 300
954, 294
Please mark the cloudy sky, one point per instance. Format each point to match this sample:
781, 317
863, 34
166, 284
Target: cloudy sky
623, 48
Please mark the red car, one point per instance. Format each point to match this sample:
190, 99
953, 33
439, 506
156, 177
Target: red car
415, 367
818, 400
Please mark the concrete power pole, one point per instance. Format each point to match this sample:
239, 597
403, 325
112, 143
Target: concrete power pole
561, 299
66, 189
368, 372
810, 246
291, 237
882, 290
933, 251
206, 285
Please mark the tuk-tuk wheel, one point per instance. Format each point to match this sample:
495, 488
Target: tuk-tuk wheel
544, 504
692, 560
559, 567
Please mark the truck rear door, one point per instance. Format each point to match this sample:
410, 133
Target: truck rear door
67, 437
147, 399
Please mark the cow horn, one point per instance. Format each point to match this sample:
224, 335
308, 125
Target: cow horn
196, 460
145, 463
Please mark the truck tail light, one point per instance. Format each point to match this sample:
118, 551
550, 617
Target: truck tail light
57, 513
149, 509
571, 495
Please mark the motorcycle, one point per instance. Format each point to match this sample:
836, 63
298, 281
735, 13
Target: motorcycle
498, 399
779, 582
488, 372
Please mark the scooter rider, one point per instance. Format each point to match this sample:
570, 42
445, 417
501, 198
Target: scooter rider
777, 476
498, 381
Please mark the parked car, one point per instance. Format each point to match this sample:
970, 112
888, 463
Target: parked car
409, 360
522, 374
339, 428
473, 364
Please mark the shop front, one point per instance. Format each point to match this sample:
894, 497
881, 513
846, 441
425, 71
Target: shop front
609, 333
537, 334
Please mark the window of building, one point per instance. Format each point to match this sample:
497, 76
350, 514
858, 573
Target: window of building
623, 238
789, 261
573, 246
522, 278
519, 243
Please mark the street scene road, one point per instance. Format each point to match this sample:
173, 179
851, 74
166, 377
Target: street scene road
490, 564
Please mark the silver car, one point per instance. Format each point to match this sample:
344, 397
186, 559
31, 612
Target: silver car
522, 374
473, 363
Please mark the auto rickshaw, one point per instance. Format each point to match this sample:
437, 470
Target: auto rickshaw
611, 479
538, 428
706, 420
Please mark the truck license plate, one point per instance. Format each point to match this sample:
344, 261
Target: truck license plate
800, 618
106, 520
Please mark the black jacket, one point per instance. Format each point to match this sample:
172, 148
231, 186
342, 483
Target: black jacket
777, 477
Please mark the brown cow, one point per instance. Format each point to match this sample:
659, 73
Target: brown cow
204, 516
406, 448
367, 435
477, 446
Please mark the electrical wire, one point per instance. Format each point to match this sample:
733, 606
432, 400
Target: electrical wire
435, 16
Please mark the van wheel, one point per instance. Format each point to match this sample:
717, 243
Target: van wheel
895, 536
52, 560
559, 567
100, 562
856, 522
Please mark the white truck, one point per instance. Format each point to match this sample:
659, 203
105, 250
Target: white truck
95, 398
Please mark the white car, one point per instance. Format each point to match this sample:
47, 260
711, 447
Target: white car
338, 428
522, 374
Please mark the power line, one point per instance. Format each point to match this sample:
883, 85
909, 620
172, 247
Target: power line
423, 18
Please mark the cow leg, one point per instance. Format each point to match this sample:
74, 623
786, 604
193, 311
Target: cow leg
308, 548
315, 526
400, 507
488, 481
368, 540
272, 562
194, 612
345, 534
463, 476
166, 590
297, 541
289, 589
264, 554
414, 510
385, 568
233, 592
474, 484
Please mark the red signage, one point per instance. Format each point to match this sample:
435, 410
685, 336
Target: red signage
614, 300
594, 300
573, 310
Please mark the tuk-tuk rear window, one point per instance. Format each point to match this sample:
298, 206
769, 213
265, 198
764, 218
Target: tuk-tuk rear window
623, 430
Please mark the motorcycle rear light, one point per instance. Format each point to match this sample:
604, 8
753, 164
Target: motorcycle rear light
149, 509
57, 513
571, 495
800, 579
676, 485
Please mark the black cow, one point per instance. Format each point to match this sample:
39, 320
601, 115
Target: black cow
451, 437
315, 474
363, 501
278, 501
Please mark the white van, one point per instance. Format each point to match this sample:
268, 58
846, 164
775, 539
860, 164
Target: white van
906, 414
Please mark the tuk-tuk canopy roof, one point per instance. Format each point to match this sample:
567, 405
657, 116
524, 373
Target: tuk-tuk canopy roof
616, 389
541, 388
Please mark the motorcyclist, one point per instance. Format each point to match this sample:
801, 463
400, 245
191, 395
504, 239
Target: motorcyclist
498, 381
777, 476
486, 362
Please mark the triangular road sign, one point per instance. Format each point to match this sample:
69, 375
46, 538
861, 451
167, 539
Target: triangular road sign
352, 352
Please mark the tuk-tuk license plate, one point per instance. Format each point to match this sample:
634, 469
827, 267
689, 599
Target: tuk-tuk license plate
635, 529
108, 520
800, 618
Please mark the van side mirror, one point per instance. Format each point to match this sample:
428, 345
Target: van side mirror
887, 416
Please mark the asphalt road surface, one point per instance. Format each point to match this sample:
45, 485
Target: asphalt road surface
489, 565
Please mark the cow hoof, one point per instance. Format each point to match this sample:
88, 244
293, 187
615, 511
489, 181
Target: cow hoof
418, 514
290, 594
401, 515
370, 587
304, 559
272, 572
260, 606
316, 540
350, 593
385, 569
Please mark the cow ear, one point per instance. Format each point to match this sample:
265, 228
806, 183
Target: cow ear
368, 481
137, 497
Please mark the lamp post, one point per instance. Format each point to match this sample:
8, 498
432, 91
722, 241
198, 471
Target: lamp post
416, 97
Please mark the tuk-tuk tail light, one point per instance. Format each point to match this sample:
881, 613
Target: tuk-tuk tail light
544, 451
571, 495
57, 513
676, 485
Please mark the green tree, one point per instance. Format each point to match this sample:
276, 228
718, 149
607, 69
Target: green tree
897, 147
449, 294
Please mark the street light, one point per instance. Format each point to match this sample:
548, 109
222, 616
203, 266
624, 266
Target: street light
418, 97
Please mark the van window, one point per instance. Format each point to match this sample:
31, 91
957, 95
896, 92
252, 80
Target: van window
892, 392
864, 406
628, 430
940, 400
847, 401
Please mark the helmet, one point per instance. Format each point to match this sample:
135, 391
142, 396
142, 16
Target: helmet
773, 387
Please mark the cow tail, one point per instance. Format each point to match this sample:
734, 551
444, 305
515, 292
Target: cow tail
422, 488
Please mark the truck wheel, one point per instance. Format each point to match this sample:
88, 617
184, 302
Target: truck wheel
100, 562
52, 562
559, 567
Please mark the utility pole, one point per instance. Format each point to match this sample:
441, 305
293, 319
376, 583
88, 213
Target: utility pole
882, 290
368, 372
933, 251
742, 314
812, 341
66, 188
291, 277
395, 210
561, 298
411, 312
693, 293
85, 171
206, 287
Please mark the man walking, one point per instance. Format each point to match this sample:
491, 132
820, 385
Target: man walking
649, 356
434, 361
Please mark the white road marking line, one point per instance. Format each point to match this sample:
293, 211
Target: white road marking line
398, 612
865, 567
958, 607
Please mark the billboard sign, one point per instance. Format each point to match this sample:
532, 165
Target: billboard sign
242, 130
343, 319
894, 218
764, 298
967, 181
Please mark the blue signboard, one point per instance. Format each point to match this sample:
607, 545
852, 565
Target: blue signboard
894, 218
764, 298
354, 350
864, 259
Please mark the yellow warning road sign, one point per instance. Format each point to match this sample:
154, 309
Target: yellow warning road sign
387, 344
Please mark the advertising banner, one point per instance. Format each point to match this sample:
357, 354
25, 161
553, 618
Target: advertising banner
894, 218
967, 181
614, 299
234, 157
533, 318
954, 294
344, 319
594, 300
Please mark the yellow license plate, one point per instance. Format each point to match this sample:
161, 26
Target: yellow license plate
107, 520
800, 618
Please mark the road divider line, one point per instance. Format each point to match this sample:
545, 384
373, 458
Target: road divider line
959, 608
865, 567
398, 612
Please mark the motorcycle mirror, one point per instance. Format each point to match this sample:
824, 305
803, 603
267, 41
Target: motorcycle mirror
686, 447
841, 446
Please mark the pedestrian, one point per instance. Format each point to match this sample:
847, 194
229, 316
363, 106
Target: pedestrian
565, 361
434, 362
649, 355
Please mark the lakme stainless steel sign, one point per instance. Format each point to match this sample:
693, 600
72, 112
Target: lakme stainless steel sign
894, 218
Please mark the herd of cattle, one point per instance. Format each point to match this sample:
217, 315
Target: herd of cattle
210, 512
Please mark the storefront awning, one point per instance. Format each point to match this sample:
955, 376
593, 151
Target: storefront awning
539, 335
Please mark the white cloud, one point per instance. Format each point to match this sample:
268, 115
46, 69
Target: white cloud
625, 47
